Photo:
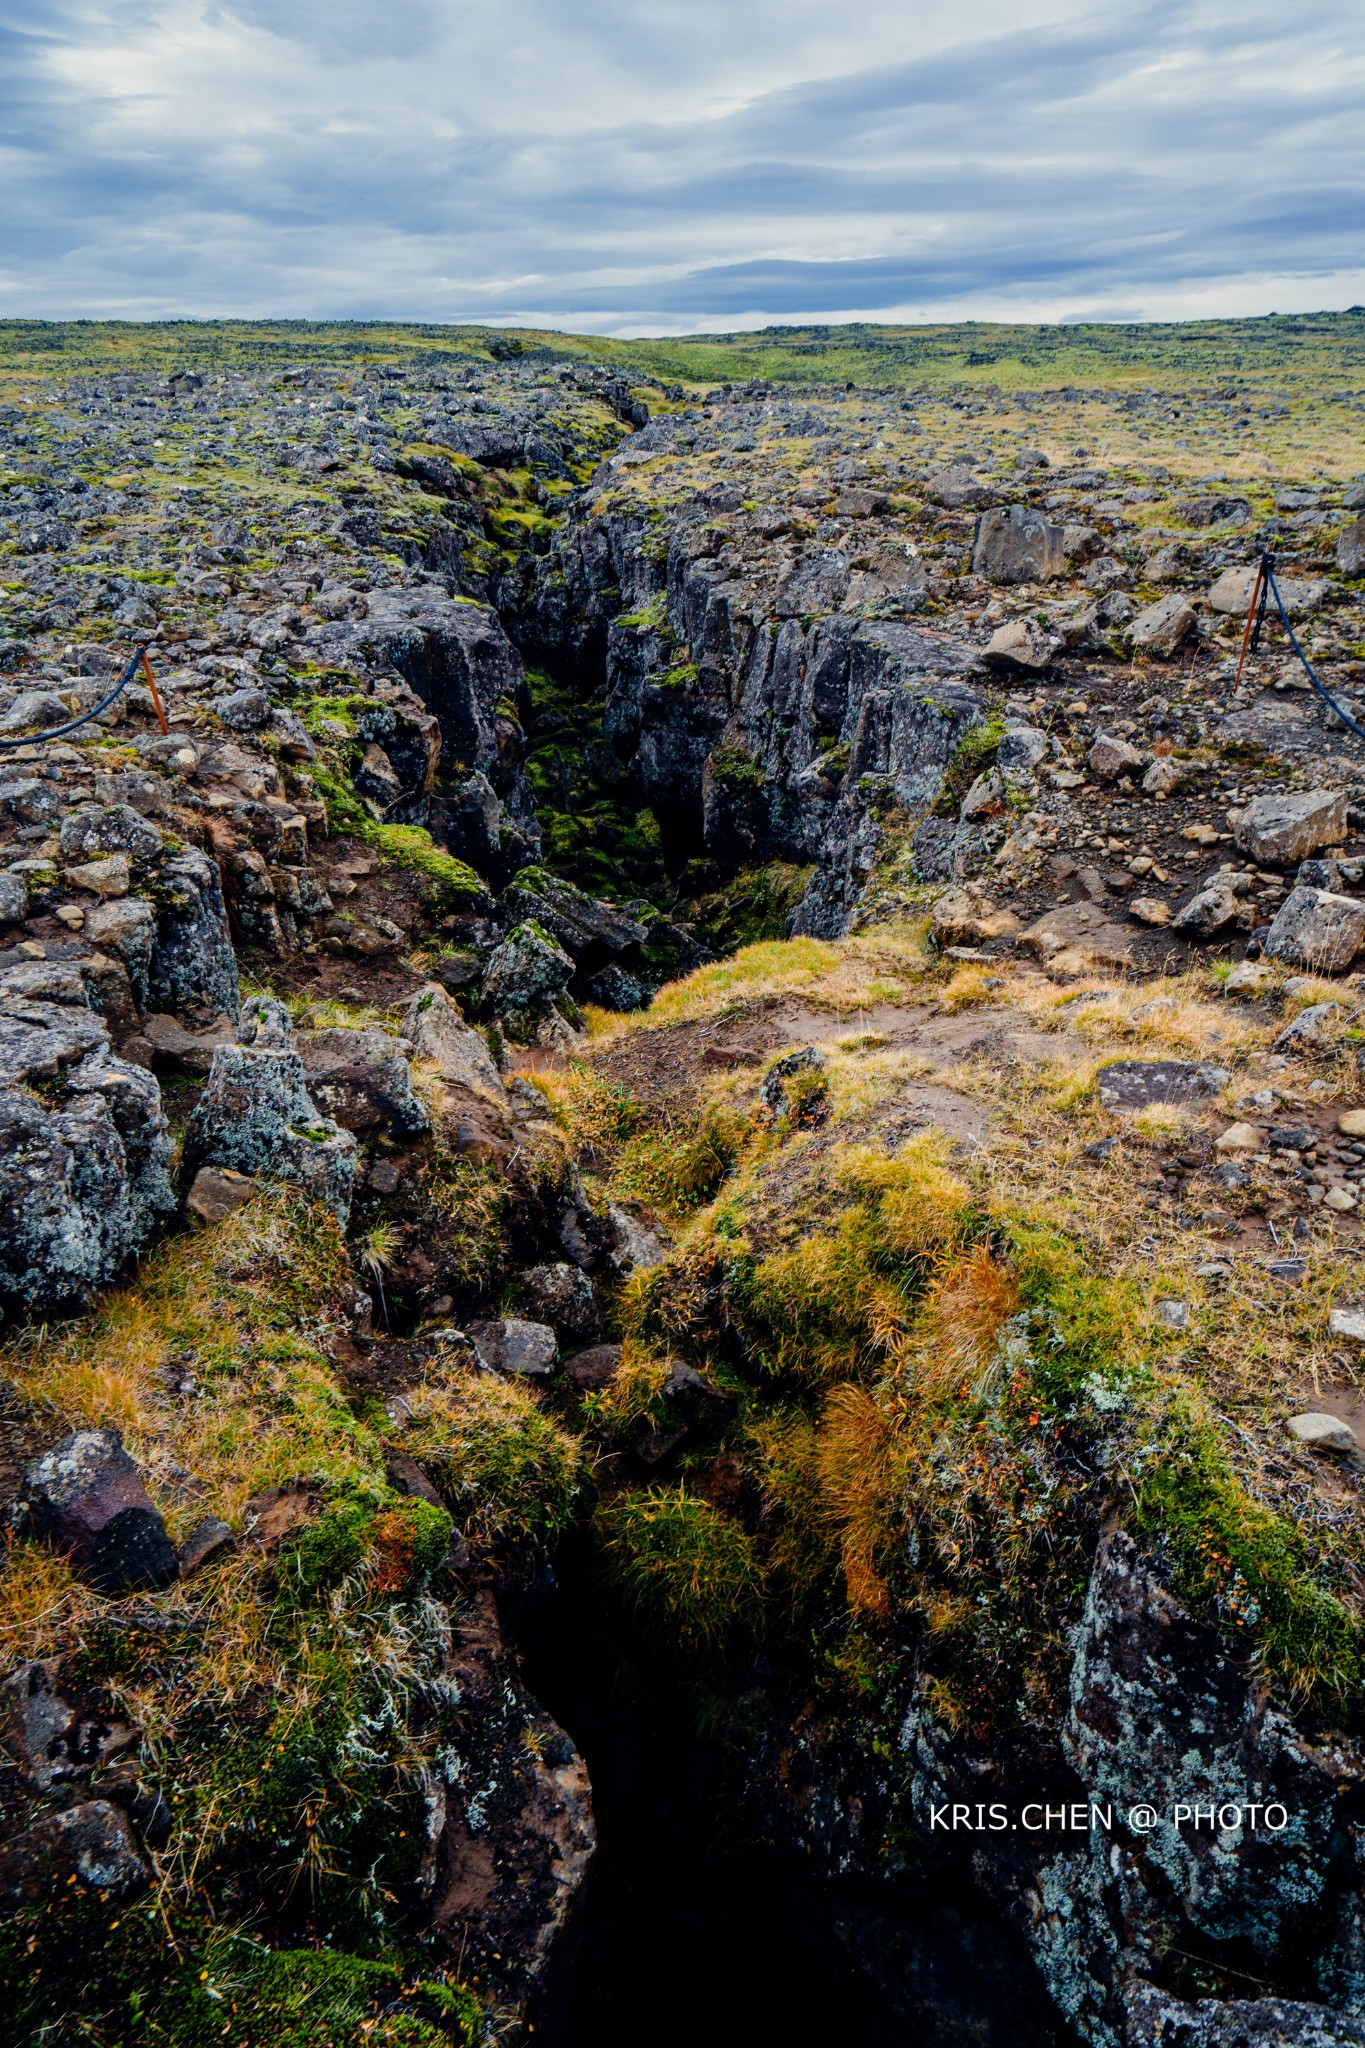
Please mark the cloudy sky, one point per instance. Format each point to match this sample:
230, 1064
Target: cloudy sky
653, 166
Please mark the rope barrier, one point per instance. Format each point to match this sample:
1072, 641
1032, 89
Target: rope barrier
56, 732
1264, 588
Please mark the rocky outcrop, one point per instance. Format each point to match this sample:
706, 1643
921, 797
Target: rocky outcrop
256, 1116
1196, 1820
362, 1079
457, 660
513, 1828
84, 1144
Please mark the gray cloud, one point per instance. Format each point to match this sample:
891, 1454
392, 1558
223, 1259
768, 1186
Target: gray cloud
667, 165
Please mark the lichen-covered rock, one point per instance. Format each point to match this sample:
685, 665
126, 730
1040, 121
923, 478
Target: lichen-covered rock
193, 965
517, 1345
362, 1080
87, 1499
1136, 1084
1317, 929
256, 1116
514, 1833
52, 1741
126, 926
92, 1844
1209, 910
1156, 2020
1161, 1715
1017, 545
83, 1164
526, 972
92, 830
564, 1297
590, 931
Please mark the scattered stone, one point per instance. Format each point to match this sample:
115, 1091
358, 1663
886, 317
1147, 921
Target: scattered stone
1024, 747
439, 1035
1231, 594
1079, 930
216, 1193
1316, 929
1341, 1199
207, 1540
1351, 1123
269, 1519
1021, 648
1347, 1322
1175, 1314
1351, 549
1281, 831
528, 1349
1109, 758
1212, 910
1017, 545
594, 1369
1166, 777
92, 1844
636, 1248
1163, 628
1152, 910
87, 1499
111, 876
1238, 1138
1247, 978
1322, 1432
967, 916
1308, 1028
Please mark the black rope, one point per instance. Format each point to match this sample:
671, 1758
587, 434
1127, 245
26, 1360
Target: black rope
55, 732
1268, 581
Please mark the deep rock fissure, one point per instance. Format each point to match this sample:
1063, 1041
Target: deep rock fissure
693, 1924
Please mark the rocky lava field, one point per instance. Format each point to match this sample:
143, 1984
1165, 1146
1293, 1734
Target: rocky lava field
702, 1046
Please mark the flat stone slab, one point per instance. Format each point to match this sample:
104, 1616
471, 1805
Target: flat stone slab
1136, 1084
1347, 1322
1079, 927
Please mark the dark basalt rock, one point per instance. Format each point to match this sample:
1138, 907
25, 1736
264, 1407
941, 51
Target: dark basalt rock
459, 662
563, 1296
93, 1844
87, 1499
590, 931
